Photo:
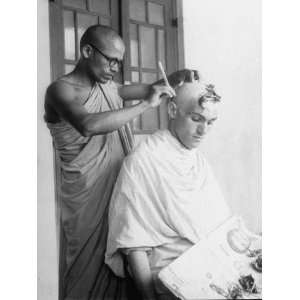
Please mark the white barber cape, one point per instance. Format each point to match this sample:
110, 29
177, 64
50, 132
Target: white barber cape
165, 195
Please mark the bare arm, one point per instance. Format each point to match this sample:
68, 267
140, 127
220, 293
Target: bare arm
63, 99
139, 266
140, 91
134, 91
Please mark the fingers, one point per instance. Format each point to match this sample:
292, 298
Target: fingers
177, 78
167, 90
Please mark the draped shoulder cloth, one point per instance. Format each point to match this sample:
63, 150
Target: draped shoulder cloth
164, 192
89, 167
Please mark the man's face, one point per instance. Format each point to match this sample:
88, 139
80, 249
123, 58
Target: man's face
193, 122
104, 60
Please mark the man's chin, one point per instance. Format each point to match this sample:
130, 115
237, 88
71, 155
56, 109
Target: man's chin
191, 145
196, 143
103, 80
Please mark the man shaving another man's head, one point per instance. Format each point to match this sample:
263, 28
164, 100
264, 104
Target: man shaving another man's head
166, 197
89, 124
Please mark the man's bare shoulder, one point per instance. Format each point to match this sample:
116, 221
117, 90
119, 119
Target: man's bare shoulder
62, 94
63, 90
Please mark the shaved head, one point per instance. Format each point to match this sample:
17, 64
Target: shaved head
189, 93
101, 36
101, 53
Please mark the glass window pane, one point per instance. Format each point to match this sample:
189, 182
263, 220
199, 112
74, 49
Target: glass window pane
105, 21
161, 48
134, 50
83, 22
69, 35
155, 13
147, 40
135, 76
149, 77
75, 3
137, 10
69, 68
100, 6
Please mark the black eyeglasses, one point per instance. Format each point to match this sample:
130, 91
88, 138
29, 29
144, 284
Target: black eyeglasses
112, 62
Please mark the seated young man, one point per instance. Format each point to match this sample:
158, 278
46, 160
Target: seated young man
166, 197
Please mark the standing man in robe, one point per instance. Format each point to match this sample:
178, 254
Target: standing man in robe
85, 115
166, 197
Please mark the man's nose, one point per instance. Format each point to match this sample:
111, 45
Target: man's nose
202, 128
115, 68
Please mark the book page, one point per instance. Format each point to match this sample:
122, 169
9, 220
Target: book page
214, 267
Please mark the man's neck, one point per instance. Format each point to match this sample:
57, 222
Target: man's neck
175, 135
81, 76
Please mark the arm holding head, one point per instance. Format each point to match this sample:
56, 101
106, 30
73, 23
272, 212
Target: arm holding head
141, 91
65, 100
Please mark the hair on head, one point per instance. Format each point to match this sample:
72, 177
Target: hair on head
209, 95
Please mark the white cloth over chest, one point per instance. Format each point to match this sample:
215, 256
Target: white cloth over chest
165, 194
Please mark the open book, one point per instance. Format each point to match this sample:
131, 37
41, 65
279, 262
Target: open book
226, 264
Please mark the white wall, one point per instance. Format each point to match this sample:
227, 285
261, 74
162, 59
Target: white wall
223, 41
47, 246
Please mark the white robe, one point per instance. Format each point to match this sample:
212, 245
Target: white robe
165, 199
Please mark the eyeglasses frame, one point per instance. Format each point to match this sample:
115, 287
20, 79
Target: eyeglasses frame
111, 61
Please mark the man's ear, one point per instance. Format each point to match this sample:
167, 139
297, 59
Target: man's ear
172, 109
86, 51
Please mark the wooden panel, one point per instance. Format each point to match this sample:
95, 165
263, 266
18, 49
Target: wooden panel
105, 21
102, 7
137, 10
147, 46
155, 13
75, 3
149, 77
